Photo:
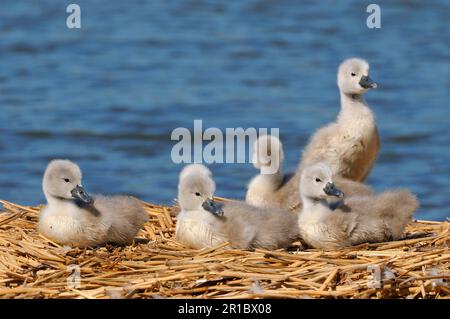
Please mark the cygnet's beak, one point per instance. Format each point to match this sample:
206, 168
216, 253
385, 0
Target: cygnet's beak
79, 193
212, 207
367, 83
331, 190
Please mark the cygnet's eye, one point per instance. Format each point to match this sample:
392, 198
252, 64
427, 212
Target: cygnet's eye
353, 74
197, 194
318, 180
66, 180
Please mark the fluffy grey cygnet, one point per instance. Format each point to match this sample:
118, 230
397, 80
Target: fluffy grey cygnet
204, 222
73, 217
353, 220
350, 145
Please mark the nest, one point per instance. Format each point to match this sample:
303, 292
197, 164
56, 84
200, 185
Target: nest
157, 266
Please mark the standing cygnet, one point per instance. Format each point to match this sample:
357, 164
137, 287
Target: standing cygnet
350, 145
203, 222
271, 188
351, 221
73, 217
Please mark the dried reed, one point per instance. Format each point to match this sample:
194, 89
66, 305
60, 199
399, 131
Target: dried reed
157, 266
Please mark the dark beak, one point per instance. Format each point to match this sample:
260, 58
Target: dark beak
212, 207
367, 83
79, 193
331, 190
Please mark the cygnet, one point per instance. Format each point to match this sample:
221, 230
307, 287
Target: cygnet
350, 145
204, 222
328, 220
73, 217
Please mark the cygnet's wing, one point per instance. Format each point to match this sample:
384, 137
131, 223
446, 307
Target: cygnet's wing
376, 147
379, 217
252, 227
386, 214
126, 214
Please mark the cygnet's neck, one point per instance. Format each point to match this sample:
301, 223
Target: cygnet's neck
315, 209
52, 199
273, 177
264, 183
191, 210
354, 109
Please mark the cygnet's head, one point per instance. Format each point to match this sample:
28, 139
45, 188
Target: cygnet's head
62, 180
353, 77
317, 183
195, 168
268, 154
196, 190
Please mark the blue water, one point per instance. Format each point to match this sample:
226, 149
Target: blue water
109, 94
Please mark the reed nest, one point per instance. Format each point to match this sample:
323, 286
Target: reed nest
157, 266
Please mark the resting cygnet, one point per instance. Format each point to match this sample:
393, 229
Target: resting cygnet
326, 223
271, 188
75, 218
203, 222
351, 144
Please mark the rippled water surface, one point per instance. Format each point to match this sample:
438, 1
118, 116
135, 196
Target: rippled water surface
109, 95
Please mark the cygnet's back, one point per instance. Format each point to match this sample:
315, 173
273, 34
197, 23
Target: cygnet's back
381, 217
249, 227
125, 214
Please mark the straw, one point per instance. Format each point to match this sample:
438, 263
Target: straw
157, 266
